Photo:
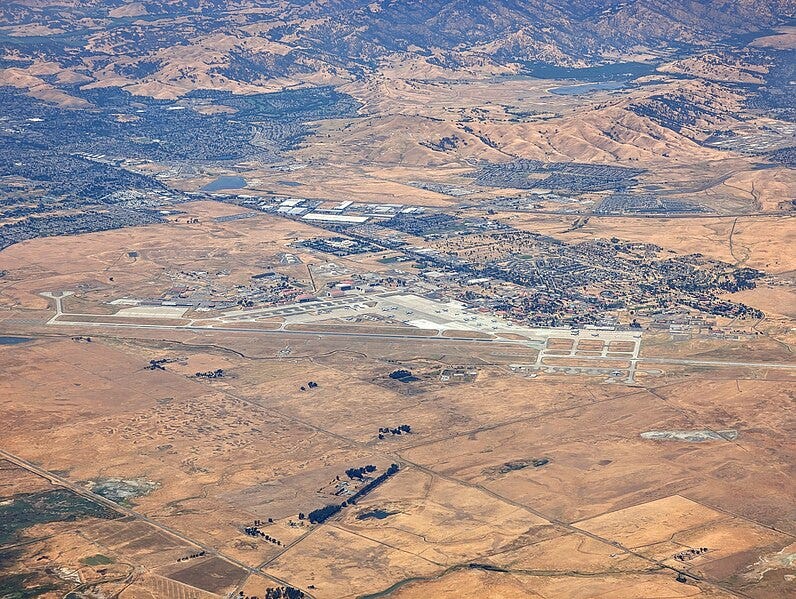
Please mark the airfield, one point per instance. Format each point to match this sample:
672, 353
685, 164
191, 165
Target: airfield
539, 462
614, 354
292, 307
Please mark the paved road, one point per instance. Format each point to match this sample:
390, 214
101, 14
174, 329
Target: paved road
83, 492
384, 337
211, 551
123, 325
718, 363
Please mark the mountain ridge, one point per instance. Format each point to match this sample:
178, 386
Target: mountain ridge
330, 42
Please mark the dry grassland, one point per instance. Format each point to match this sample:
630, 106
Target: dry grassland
757, 241
546, 478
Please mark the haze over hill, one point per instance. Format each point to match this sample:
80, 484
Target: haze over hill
254, 41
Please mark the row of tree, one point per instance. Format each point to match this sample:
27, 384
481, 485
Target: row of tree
322, 514
359, 473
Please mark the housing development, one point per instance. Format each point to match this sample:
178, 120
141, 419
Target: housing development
397, 300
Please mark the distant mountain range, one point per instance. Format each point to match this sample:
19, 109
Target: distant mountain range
193, 42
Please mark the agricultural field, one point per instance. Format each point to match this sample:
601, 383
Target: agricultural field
397, 300
182, 482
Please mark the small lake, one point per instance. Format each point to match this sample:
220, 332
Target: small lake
225, 182
608, 72
587, 88
378, 514
14, 340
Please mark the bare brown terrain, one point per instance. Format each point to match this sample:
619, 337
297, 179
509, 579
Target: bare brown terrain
468, 506
377, 300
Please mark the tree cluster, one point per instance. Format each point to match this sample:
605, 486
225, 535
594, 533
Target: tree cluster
322, 514
284, 593
211, 374
690, 554
401, 373
398, 430
254, 531
358, 473
192, 556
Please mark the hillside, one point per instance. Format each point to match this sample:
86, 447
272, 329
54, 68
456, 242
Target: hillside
178, 45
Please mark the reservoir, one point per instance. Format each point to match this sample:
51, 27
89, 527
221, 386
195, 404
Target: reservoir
14, 340
225, 182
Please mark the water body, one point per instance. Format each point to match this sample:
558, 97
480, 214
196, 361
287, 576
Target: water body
14, 340
377, 514
587, 88
620, 71
225, 182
